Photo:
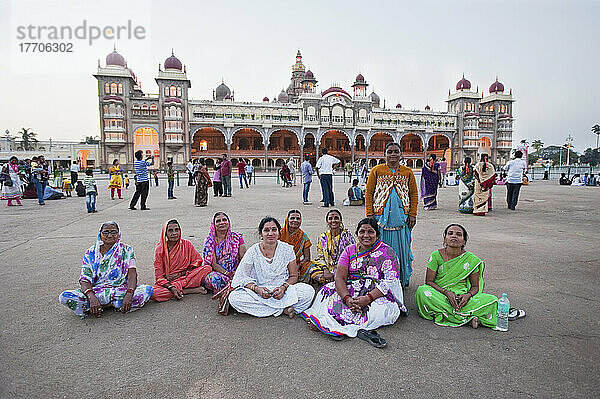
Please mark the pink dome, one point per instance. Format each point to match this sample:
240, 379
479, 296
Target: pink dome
115, 58
497, 87
335, 90
360, 78
309, 75
266, 99
398, 105
463, 84
173, 63
427, 108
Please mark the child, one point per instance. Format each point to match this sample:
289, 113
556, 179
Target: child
126, 182
67, 186
91, 190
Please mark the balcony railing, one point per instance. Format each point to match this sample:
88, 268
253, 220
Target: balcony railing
173, 130
115, 138
114, 129
173, 138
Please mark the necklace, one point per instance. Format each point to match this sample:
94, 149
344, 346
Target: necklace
264, 253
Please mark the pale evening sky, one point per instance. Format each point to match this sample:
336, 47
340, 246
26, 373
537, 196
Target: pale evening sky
409, 52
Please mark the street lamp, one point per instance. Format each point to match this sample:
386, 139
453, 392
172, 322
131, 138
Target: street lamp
569, 141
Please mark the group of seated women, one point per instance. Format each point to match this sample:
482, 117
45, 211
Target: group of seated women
358, 283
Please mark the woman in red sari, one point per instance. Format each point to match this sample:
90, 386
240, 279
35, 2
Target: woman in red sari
178, 266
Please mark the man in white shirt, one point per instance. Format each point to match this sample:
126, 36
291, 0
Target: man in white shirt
249, 171
190, 170
292, 167
325, 174
514, 180
74, 172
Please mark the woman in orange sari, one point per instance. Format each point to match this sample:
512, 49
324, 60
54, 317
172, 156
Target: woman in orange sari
293, 235
178, 266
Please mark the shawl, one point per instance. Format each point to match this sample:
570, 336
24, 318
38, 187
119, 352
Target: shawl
181, 258
329, 248
299, 239
487, 178
110, 269
205, 175
226, 251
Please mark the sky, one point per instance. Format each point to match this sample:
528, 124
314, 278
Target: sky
410, 52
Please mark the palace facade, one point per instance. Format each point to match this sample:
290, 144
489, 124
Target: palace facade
352, 124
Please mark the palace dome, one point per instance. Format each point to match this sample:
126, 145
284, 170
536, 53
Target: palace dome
309, 75
173, 63
283, 97
115, 58
497, 87
266, 99
360, 78
374, 98
222, 91
335, 89
398, 105
427, 108
463, 84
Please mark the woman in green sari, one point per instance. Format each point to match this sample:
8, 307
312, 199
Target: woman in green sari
453, 291
466, 187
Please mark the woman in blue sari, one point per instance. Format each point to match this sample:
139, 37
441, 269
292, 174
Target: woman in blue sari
430, 180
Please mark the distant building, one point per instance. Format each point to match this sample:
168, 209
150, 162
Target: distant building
299, 120
57, 153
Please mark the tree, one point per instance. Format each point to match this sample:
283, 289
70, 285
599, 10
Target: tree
591, 156
538, 145
596, 130
28, 138
90, 140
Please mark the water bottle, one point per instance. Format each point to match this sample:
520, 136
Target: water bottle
503, 307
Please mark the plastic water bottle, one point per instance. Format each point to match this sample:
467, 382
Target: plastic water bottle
503, 307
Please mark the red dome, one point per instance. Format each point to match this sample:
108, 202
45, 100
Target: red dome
266, 99
335, 90
463, 84
398, 105
309, 75
173, 63
427, 108
497, 87
115, 58
360, 78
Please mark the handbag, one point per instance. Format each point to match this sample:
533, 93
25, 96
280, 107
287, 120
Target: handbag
223, 297
6, 180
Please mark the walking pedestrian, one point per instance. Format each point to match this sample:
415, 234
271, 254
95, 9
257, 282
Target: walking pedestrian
91, 191
324, 168
241, 167
226, 176
217, 184
170, 180
142, 181
516, 168
292, 167
116, 179
307, 173
11, 186
39, 172
74, 173
443, 171
249, 171
190, 170
156, 177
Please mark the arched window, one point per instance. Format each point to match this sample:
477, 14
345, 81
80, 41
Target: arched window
179, 112
105, 109
120, 88
113, 88
106, 88
145, 109
166, 91
153, 110
173, 91
178, 91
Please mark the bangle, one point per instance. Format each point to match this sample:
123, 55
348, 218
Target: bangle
86, 291
286, 285
346, 297
130, 290
370, 297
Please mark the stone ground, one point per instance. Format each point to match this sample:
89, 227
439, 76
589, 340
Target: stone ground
544, 255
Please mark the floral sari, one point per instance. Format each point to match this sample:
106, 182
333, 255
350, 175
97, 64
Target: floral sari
453, 275
329, 250
108, 276
376, 267
225, 254
466, 189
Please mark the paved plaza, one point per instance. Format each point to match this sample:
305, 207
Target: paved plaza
544, 255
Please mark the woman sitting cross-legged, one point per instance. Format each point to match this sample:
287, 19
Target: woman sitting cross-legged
292, 234
366, 294
108, 277
330, 246
178, 267
453, 291
223, 250
266, 279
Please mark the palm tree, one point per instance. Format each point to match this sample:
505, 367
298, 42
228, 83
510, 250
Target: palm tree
28, 138
596, 130
537, 144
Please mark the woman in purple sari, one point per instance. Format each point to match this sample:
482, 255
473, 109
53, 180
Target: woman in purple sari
430, 180
366, 293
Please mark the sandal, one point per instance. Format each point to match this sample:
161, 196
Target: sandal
372, 337
514, 314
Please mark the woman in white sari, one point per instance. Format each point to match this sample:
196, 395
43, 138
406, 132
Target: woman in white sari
266, 279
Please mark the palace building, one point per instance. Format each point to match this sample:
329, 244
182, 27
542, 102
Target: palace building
352, 124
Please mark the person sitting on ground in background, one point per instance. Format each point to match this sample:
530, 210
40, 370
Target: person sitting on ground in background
108, 277
453, 291
592, 181
223, 250
564, 180
585, 178
178, 267
266, 280
330, 246
292, 234
366, 294
576, 180
356, 194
